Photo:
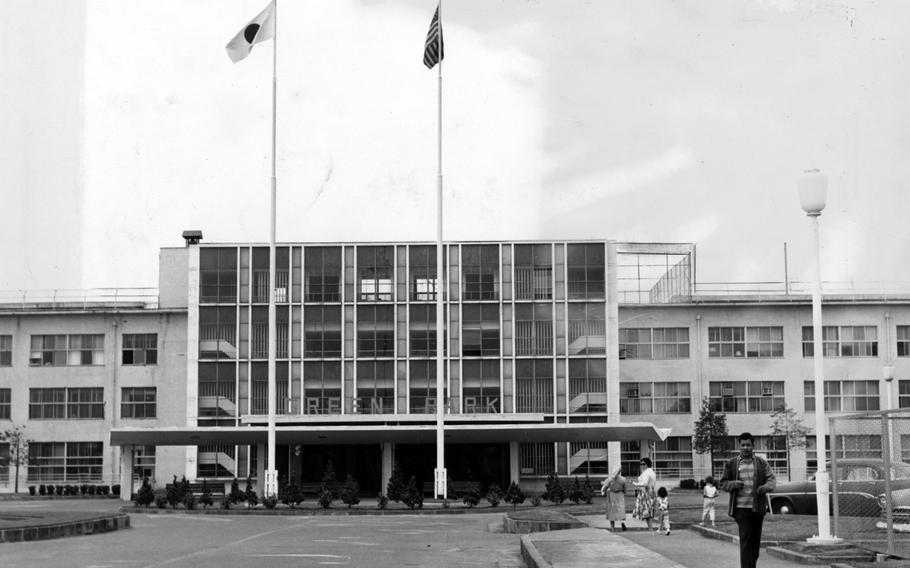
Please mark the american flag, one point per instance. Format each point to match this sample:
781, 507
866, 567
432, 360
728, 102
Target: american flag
433, 51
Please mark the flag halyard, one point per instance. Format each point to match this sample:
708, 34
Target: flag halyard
433, 51
260, 28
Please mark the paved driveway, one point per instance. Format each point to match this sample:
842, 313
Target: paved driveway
264, 541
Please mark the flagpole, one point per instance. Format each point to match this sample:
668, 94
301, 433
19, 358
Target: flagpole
271, 476
440, 473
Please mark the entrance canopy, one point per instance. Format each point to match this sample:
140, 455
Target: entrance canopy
380, 433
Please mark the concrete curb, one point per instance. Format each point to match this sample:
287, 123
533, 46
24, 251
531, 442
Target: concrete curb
531, 555
59, 530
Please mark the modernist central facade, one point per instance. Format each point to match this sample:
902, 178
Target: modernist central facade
566, 356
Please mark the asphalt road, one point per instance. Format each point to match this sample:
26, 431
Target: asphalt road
266, 541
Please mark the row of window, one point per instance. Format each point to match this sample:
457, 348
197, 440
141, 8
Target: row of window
755, 342
81, 349
69, 403
331, 273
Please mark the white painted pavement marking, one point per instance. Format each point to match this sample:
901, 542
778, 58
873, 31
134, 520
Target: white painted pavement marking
203, 518
298, 555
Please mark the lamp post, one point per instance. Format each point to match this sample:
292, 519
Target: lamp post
813, 188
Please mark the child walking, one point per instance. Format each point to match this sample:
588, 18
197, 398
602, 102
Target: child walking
663, 511
710, 496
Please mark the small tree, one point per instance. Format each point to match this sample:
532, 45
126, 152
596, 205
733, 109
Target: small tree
413, 495
206, 498
145, 496
330, 480
711, 434
514, 495
18, 449
788, 426
236, 495
290, 494
396, 487
471, 495
587, 491
575, 491
554, 492
174, 493
350, 492
494, 495
249, 495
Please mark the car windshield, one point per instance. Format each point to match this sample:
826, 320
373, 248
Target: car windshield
900, 471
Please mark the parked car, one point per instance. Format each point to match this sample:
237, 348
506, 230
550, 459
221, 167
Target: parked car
860, 489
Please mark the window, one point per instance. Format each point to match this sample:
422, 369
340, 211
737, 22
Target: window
143, 463
5, 404
586, 270
843, 341
217, 394
654, 343
376, 387
65, 461
536, 459
746, 396
140, 348
47, 404
903, 395
322, 331
217, 275
481, 386
533, 272
533, 329
259, 339
673, 457
844, 396
587, 386
903, 341
216, 461
587, 329
60, 350
534, 385
375, 331
480, 330
217, 332
423, 387
322, 273
422, 330
480, 269
322, 387
655, 398
422, 271
747, 342
84, 403
630, 456
138, 402
588, 458
374, 273
6, 350
260, 274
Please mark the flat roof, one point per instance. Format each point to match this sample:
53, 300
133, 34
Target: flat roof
381, 433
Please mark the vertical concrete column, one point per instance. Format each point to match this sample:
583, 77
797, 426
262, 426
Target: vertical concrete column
192, 355
388, 458
614, 451
126, 473
260, 467
514, 464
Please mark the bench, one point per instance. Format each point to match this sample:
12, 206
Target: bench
215, 488
457, 488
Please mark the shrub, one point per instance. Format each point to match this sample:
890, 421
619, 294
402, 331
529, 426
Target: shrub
350, 491
59, 490
226, 502
292, 495
236, 495
325, 497
382, 501
688, 484
32, 490
42, 489
330, 480
587, 491
115, 489
189, 500
535, 500
413, 496
575, 491
554, 492
249, 495
92, 489
471, 495
514, 495
494, 495
145, 496
396, 487
174, 493
206, 498
104, 490
51, 489
83, 489
160, 499
270, 502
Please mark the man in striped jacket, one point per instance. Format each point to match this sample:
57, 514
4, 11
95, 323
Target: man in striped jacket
748, 478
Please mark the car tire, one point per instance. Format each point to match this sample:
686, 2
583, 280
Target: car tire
782, 507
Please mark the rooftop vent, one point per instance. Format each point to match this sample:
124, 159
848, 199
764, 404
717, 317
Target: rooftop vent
192, 237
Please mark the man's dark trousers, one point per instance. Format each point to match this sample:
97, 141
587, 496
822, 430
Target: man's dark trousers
749, 536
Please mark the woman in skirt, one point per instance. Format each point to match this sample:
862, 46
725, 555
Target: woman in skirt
644, 498
614, 487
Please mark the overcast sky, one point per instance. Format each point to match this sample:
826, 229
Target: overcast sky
124, 123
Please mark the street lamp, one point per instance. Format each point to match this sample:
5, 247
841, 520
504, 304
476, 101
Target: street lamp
813, 189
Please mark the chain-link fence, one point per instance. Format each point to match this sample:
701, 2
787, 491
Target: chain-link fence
870, 489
